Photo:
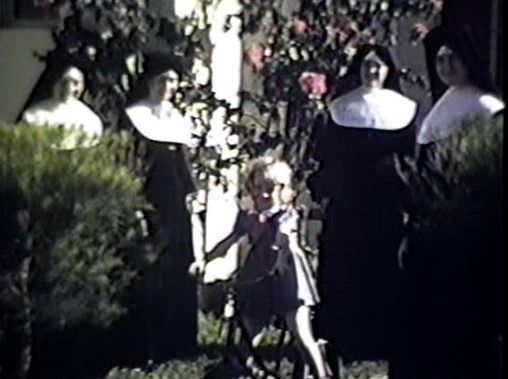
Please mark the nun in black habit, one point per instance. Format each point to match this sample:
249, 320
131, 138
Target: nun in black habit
162, 314
363, 223
451, 325
477, 21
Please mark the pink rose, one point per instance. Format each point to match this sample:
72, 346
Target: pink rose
255, 56
300, 26
313, 84
438, 5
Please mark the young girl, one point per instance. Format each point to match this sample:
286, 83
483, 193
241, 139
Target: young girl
275, 278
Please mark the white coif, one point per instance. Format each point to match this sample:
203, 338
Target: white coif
456, 105
160, 122
373, 108
73, 115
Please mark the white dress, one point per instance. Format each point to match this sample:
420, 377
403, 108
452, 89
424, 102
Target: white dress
306, 285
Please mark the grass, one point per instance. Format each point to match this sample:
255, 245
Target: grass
198, 369
212, 334
195, 369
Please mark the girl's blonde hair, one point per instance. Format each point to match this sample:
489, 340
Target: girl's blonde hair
276, 172
257, 167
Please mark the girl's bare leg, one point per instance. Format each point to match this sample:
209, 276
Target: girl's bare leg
300, 325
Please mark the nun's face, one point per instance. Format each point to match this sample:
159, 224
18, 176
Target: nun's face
164, 86
373, 71
71, 85
450, 68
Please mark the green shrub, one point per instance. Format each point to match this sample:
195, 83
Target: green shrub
461, 185
212, 331
453, 246
70, 232
170, 370
197, 370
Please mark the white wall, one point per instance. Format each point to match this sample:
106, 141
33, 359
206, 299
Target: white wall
19, 68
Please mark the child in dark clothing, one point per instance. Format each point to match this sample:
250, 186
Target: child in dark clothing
275, 276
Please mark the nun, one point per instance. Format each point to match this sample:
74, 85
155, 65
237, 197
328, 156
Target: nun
66, 109
81, 128
166, 304
470, 92
452, 312
363, 224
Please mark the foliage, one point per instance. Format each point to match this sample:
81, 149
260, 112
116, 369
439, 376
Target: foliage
76, 220
321, 41
461, 184
170, 370
325, 35
197, 369
110, 39
308, 55
104, 38
366, 370
302, 64
212, 331
453, 248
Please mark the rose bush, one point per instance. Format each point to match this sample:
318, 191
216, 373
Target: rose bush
313, 84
